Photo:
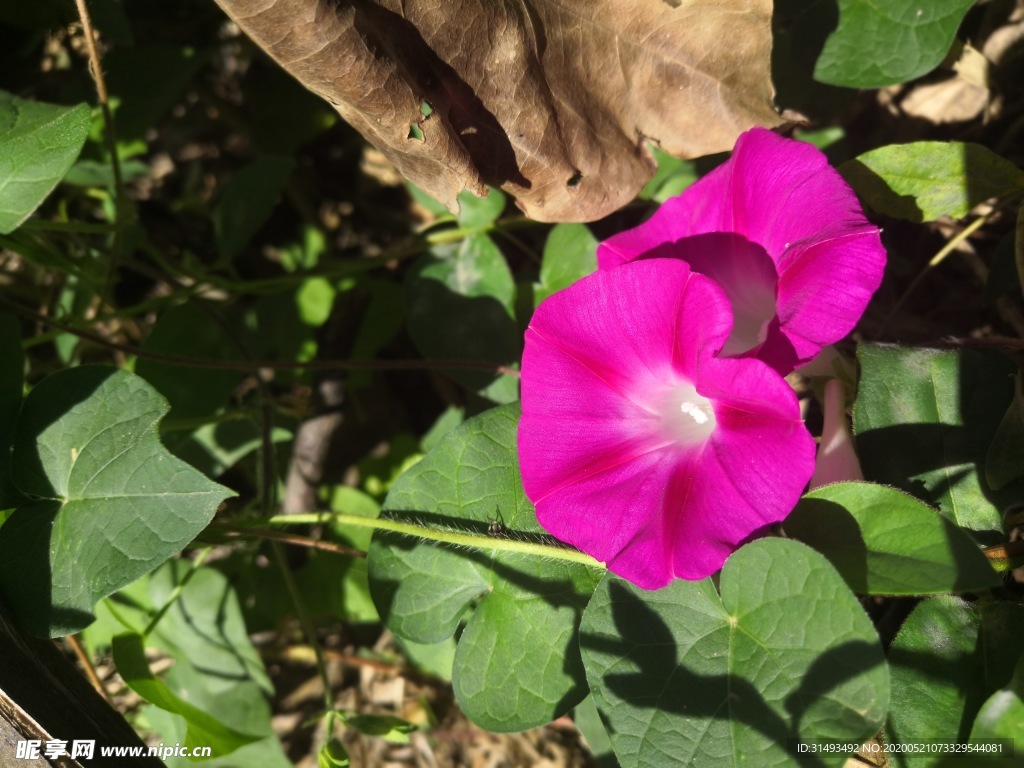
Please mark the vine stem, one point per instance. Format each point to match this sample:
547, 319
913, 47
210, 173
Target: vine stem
90, 670
452, 538
304, 620
289, 538
256, 365
96, 67
937, 259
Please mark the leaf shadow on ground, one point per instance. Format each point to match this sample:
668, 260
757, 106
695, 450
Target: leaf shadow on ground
664, 684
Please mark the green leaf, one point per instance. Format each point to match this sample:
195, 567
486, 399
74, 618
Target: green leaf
38, 144
190, 330
879, 44
785, 652
924, 420
480, 212
517, 664
928, 179
204, 730
205, 625
109, 502
1004, 462
947, 659
1002, 715
671, 178
569, 254
333, 755
247, 200
460, 304
386, 727
588, 721
884, 542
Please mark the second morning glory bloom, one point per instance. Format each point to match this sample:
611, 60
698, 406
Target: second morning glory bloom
783, 234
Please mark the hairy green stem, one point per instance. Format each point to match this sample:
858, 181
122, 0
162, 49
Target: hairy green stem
441, 536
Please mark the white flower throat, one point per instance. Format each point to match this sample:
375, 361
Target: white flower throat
686, 416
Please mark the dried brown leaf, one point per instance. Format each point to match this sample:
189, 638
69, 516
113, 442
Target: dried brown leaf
551, 100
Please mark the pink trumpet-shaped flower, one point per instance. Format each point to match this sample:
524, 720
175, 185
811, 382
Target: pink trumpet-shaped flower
637, 444
783, 234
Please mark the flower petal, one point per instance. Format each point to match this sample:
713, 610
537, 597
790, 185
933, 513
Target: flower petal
597, 357
753, 469
825, 286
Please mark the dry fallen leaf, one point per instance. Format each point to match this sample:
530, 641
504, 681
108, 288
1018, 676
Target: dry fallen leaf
551, 100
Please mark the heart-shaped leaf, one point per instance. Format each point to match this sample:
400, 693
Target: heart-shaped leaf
691, 677
879, 44
517, 664
884, 542
108, 502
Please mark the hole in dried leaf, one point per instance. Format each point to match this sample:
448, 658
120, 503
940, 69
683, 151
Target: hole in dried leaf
415, 132
575, 179
426, 110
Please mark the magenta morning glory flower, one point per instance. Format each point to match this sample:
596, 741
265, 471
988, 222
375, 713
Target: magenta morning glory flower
637, 444
784, 236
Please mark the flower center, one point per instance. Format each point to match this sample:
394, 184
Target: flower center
686, 417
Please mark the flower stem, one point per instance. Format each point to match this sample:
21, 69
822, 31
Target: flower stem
440, 536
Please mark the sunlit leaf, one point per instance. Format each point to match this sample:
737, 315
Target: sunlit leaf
38, 144
108, 502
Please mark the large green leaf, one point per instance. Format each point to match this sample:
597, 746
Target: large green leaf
460, 303
947, 659
878, 44
517, 664
924, 420
928, 179
204, 730
685, 676
38, 144
884, 542
109, 503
